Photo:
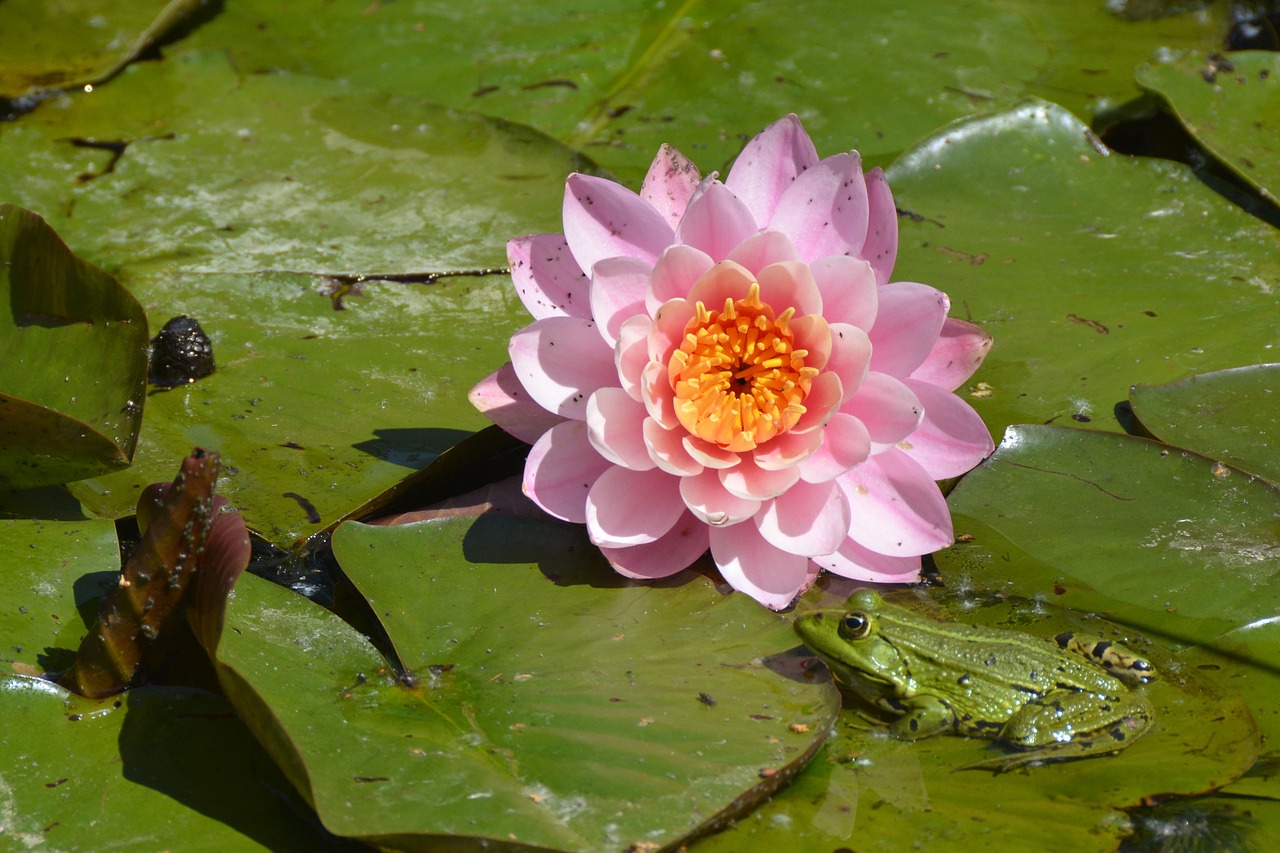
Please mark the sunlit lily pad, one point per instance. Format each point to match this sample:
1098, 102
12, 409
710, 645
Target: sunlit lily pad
618, 79
1229, 415
551, 705
52, 580
869, 785
1226, 102
1090, 269
315, 410
1159, 539
74, 346
151, 769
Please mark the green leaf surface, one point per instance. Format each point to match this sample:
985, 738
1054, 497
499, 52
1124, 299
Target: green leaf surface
74, 344
320, 410
551, 706
316, 411
869, 786
152, 769
1227, 103
618, 79
1093, 271
52, 578
1158, 538
48, 46
1228, 415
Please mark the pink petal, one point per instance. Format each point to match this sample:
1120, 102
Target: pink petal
845, 443
825, 396
952, 437
675, 550
615, 425
748, 480
761, 249
850, 357
789, 284
750, 564
626, 508
667, 332
849, 290
881, 248
785, 450
631, 354
618, 287
667, 450
560, 470
860, 564
897, 508
716, 222
708, 454
708, 499
670, 183
907, 325
725, 280
502, 399
887, 407
546, 277
825, 210
606, 220
659, 399
561, 361
675, 274
808, 519
813, 335
769, 164
955, 356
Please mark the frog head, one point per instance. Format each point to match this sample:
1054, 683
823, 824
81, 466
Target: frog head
852, 645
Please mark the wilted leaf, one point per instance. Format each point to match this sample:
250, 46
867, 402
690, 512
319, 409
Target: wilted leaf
189, 550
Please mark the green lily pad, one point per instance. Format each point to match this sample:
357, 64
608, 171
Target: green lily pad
1157, 538
1229, 415
315, 411
155, 768
552, 706
618, 79
52, 578
75, 344
1091, 270
873, 790
1224, 101
47, 47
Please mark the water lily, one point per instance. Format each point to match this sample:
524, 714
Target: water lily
727, 366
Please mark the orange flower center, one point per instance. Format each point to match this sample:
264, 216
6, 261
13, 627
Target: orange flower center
738, 378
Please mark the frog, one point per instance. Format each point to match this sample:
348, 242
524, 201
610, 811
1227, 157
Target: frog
1042, 700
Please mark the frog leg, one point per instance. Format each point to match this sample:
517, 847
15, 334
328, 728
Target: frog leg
922, 716
1069, 724
1114, 658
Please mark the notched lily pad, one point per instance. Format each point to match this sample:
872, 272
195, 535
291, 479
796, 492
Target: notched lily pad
75, 345
1229, 415
582, 713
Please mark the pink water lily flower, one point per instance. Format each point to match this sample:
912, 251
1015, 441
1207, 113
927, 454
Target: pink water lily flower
726, 366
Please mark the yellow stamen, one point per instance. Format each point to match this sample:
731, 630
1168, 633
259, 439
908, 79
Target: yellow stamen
738, 378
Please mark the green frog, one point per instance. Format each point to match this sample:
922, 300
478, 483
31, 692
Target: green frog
1051, 700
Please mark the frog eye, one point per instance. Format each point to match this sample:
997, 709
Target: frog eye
854, 625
